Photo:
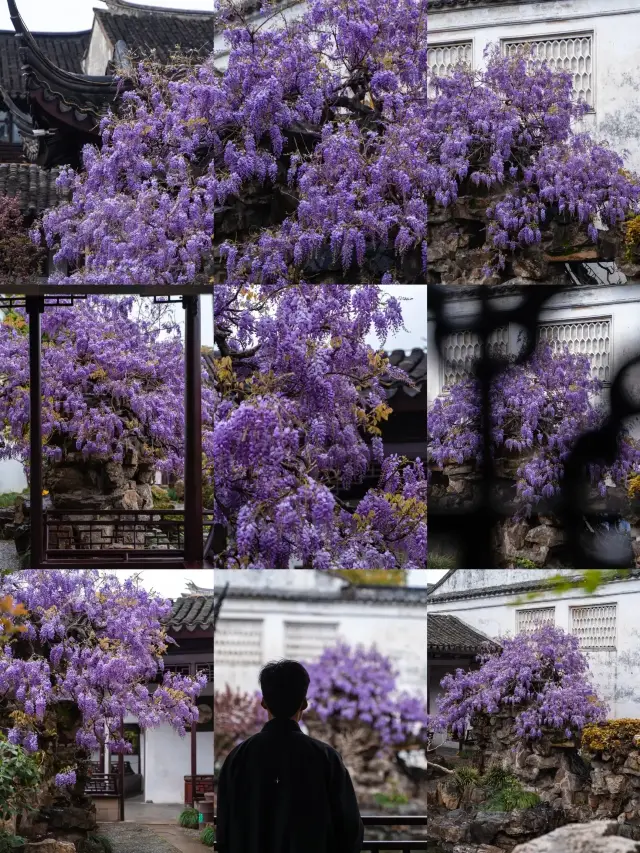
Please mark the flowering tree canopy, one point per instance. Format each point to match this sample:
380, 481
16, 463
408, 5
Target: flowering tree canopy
92, 641
358, 685
538, 411
109, 377
330, 113
296, 418
541, 675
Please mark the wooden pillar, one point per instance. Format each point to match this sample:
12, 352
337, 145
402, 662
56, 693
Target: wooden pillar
35, 307
194, 749
193, 523
121, 775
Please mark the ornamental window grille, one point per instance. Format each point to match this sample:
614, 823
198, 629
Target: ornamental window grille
592, 338
532, 618
238, 642
307, 640
595, 626
461, 349
565, 53
443, 58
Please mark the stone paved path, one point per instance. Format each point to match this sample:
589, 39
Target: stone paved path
136, 838
8, 556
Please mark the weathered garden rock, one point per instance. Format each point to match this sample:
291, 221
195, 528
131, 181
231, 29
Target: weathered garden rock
594, 837
50, 845
450, 828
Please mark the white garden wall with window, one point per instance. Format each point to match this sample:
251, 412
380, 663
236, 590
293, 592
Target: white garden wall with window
296, 614
605, 622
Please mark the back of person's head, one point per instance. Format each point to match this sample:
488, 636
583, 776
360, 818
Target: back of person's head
284, 685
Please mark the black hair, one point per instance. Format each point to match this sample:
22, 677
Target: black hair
284, 686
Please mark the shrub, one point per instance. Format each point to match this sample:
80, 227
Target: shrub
612, 735
189, 818
9, 842
207, 836
465, 777
506, 792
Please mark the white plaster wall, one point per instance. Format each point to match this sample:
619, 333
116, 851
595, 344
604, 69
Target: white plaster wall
12, 478
99, 53
616, 675
614, 24
167, 759
398, 631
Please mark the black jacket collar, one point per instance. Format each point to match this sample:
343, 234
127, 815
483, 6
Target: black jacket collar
281, 725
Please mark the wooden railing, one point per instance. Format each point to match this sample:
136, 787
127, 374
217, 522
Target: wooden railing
102, 785
410, 845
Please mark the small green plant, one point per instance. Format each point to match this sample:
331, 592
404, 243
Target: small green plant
465, 777
524, 563
189, 818
506, 792
19, 779
442, 561
207, 836
95, 843
171, 492
8, 499
9, 842
512, 798
395, 798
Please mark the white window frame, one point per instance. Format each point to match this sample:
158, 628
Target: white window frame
453, 43
580, 321
333, 623
614, 604
579, 34
551, 609
259, 627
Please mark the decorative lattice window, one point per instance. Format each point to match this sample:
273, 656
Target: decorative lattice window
530, 619
595, 626
566, 53
590, 338
463, 348
443, 58
306, 641
238, 641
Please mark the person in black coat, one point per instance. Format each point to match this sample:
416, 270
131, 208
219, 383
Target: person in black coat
281, 791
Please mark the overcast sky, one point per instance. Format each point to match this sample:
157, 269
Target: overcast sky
433, 575
168, 583
70, 15
414, 311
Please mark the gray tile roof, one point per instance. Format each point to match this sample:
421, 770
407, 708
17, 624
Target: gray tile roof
448, 633
191, 613
34, 186
370, 594
63, 49
415, 365
444, 5
507, 589
160, 31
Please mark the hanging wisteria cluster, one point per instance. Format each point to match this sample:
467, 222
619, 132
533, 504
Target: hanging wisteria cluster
538, 411
110, 374
542, 676
359, 684
289, 416
90, 639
